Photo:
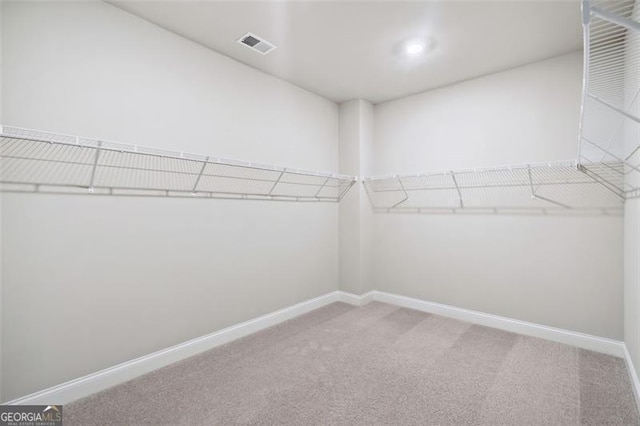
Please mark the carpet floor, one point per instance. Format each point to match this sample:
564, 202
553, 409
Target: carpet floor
374, 365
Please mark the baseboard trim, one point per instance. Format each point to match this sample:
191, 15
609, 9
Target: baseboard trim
95, 382
581, 340
633, 374
354, 299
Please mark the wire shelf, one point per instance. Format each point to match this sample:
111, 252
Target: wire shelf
608, 167
558, 187
610, 126
34, 161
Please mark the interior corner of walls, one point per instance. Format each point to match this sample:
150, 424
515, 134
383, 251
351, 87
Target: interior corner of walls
355, 135
356, 299
365, 104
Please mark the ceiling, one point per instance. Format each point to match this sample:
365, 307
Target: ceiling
348, 50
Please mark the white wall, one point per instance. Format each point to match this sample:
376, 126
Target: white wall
632, 279
559, 271
632, 213
366, 211
524, 115
89, 282
356, 215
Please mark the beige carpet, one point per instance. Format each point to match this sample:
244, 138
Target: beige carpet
342, 365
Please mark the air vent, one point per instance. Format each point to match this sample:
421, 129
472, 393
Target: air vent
256, 43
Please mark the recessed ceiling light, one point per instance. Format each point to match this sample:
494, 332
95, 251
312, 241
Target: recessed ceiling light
416, 47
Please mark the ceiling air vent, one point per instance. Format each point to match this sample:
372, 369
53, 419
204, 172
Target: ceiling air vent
256, 43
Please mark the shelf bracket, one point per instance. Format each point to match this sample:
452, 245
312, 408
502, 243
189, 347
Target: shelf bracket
535, 196
610, 154
538, 197
533, 192
277, 181
344, 192
95, 166
618, 110
600, 180
455, 182
616, 19
322, 187
195, 185
406, 195
630, 156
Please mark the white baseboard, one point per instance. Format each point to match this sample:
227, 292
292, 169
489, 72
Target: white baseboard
366, 298
633, 375
581, 340
95, 382
354, 299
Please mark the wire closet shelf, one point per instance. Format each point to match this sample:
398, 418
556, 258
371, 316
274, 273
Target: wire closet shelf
610, 125
557, 187
34, 161
607, 170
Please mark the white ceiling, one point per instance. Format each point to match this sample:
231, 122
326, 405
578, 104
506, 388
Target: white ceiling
347, 50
